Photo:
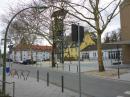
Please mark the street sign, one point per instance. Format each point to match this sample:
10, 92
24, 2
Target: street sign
74, 32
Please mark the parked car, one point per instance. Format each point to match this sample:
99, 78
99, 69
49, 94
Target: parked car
9, 60
46, 60
28, 61
20, 62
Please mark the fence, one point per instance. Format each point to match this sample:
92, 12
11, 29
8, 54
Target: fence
10, 89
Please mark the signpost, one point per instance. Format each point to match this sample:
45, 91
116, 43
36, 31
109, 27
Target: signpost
77, 36
79, 61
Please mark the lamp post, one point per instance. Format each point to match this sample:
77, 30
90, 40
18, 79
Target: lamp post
0, 54
9, 54
5, 40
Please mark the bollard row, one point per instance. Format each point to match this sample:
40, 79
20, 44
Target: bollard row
37, 75
62, 82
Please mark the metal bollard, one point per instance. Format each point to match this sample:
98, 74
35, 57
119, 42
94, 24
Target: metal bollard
62, 83
47, 78
37, 75
118, 72
13, 89
69, 67
77, 68
57, 66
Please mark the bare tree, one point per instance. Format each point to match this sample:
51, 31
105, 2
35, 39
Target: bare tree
94, 13
113, 36
34, 22
97, 15
106, 38
29, 24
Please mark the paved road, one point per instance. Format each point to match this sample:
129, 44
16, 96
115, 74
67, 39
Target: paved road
91, 86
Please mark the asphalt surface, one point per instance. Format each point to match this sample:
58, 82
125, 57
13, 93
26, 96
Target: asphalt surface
91, 86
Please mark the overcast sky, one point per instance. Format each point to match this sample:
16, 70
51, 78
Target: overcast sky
4, 9
5, 4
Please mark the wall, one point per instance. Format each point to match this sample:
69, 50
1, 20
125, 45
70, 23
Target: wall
73, 51
125, 29
37, 56
93, 55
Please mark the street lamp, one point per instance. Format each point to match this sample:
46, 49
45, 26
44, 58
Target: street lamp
5, 40
10, 45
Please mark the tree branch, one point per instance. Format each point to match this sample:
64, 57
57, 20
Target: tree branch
111, 16
107, 6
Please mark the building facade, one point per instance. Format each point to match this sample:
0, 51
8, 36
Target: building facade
72, 52
109, 52
35, 52
125, 30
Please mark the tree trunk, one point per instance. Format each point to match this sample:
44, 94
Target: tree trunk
21, 56
31, 53
15, 55
53, 55
100, 58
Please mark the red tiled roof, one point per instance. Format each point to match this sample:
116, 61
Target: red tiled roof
33, 47
41, 48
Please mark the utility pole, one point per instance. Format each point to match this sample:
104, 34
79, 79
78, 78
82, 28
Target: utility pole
77, 36
79, 60
0, 57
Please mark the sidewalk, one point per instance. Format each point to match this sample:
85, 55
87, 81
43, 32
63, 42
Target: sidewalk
92, 69
111, 72
124, 76
32, 88
90, 86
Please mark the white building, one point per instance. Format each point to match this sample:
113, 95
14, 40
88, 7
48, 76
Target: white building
109, 52
34, 52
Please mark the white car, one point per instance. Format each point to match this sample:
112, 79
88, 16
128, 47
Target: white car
20, 62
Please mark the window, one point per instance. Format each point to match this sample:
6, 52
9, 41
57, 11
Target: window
109, 54
94, 54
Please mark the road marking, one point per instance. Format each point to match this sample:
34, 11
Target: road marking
127, 92
119, 96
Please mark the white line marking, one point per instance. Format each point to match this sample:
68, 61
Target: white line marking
127, 92
119, 96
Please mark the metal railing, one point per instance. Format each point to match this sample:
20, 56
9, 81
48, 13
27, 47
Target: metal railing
10, 90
